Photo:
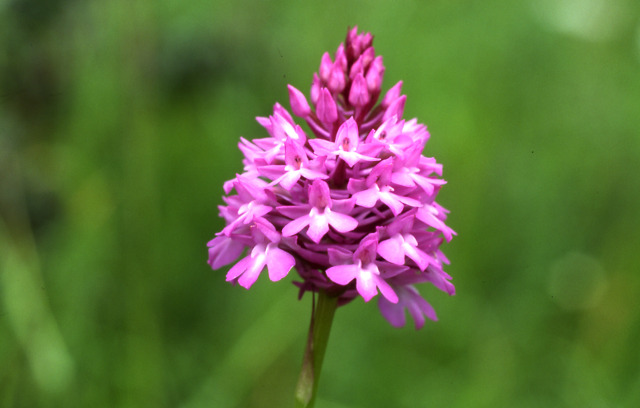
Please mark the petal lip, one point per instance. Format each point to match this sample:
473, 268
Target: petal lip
223, 250
386, 290
366, 285
391, 250
392, 312
342, 274
238, 269
295, 226
318, 227
341, 222
279, 263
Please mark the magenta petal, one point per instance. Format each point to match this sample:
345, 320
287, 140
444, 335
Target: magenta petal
393, 312
264, 122
326, 110
238, 268
259, 210
271, 172
280, 110
367, 198
369, 152
396, 108
294, 154
299, 104
391, 95
419, 308
252, 273
320, 194
426, 215
427, 184
392, 202
295, 226
347, 136
418, 256
341, 222
321, 147
374, 75
403, 179
353, 157
223, 250
343, 274
356, 68
263, 227
408, 201
354, 185
350, 157
312, 175
316, 85
436, 277
325, 66
288, 128
391, 250
271, 154
343, 206
293, 211
279, 263
386, 290
318, 227
359, 94
366, 252
288, 180
366, 285
255, 265
339, 256
336, 82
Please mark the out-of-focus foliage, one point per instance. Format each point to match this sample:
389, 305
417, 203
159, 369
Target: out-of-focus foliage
119, 122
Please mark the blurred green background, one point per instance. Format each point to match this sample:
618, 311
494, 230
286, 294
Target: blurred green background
119, 122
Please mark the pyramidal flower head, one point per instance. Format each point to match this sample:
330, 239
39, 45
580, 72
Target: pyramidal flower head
350, 204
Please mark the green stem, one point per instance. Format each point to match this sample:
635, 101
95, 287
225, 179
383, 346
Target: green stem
319, 329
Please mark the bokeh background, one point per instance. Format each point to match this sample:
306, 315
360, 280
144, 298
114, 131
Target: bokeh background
119, 122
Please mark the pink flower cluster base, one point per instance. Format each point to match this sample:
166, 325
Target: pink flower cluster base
352, 209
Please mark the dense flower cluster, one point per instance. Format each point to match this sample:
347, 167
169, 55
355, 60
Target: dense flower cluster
353, 209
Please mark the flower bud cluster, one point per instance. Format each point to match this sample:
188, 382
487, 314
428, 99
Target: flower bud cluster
353, 208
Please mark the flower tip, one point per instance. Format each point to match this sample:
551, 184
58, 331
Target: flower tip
395, 108
326, 110
336, 81
375, 74
325, 67
359, 93
391, 95
298, 101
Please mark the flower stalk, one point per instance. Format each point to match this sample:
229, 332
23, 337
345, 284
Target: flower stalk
322, 313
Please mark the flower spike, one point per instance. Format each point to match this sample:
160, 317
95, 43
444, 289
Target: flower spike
351, 205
